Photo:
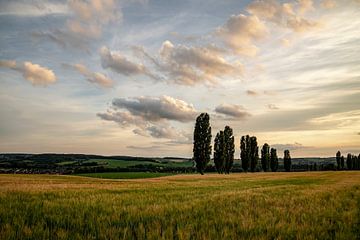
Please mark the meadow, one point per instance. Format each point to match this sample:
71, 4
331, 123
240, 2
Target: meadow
304, 205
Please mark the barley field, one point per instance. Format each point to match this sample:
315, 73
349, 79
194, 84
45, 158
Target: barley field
310, 205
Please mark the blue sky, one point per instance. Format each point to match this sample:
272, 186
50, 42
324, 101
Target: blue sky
130, 76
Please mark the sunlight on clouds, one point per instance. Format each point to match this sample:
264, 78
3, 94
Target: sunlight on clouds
240, 31
34, 73
93, 77
285, 71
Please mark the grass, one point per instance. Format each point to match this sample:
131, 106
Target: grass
315, 205
124, 175
113, 163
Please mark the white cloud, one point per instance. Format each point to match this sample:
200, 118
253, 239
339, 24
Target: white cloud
193, 65
120, 64
93, 77
85, 23
157, 108
34, 73
32, 8
240, 32
232, 110
287, 15
151, 116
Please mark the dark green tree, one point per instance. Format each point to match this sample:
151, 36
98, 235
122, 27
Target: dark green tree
338, 160
229, 148
265, 157
356, 163
287, 161
249, 153
254, 153
342, 162
219, 152
274, 161
202, 142
244, 152
349, 161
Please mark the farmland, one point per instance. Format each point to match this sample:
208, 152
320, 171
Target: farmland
305, 205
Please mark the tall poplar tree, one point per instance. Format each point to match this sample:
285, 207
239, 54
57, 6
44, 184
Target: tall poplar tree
202, 142
254, 153
244, 152
287, 160
265, 157
219, 152
274, 161
229, 149
338, 160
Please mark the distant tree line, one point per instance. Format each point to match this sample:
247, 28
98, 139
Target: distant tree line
224, 149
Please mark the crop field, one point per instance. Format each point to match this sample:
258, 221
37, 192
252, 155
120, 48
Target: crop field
306, 205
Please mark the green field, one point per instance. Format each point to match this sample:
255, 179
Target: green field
124, 175
113, 163
308, 205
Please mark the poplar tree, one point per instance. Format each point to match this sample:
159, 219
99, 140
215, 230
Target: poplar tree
254, 153
349, 161
244, 152
338, 160
265, 157
224, 149
342, 162
249, 153
219, 152
287, 160
202, 142
229, 148
274, 161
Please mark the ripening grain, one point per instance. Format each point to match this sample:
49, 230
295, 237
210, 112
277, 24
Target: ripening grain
317, 205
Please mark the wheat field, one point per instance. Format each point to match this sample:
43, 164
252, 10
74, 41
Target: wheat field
309, 205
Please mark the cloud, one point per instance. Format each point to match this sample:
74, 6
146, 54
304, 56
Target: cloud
85, 23
305, 6
151, 116
34, 73
8, 64
120, 64
285, 42
240, 31
157, 108
339, 119
163, 132
93, 77
272, 107
252, 93
233, 111
287, 15
289, 146
32, 8
328, 4
193, 65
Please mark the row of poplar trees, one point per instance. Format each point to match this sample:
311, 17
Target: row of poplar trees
352, 161
224, 149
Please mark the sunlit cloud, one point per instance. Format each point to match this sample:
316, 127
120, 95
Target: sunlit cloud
34, 73
93, 77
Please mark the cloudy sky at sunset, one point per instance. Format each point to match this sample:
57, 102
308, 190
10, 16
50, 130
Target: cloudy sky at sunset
129, 77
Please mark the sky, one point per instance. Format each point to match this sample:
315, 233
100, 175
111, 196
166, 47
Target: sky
129, 77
